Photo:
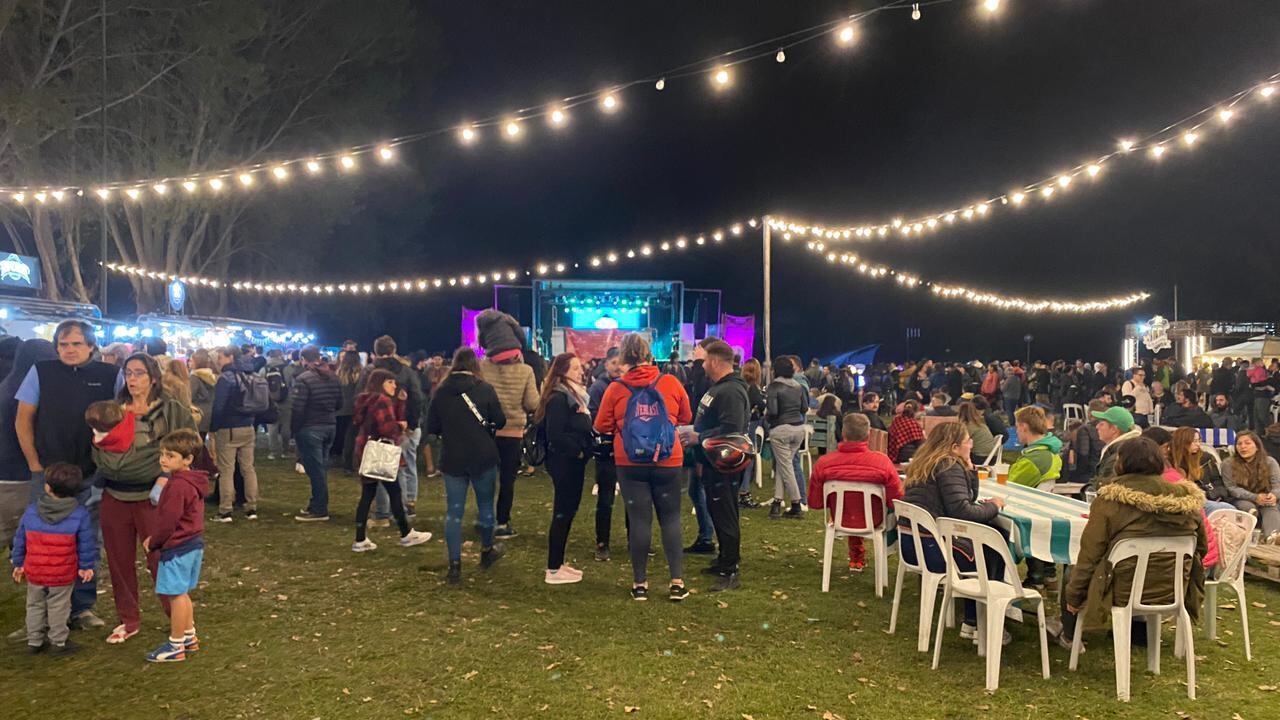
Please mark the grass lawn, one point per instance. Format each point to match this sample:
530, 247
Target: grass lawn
294, 625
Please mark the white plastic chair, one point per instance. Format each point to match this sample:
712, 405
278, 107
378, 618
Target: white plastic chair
877, 534
805, 457
1183, 549
759, 464
995, 596
920, 521
996, 454
1072, 411
1230, 572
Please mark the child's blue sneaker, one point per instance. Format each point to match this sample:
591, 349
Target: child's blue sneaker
168, 651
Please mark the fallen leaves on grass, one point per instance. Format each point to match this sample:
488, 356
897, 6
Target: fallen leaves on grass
471, 674
1268, 688
628, 709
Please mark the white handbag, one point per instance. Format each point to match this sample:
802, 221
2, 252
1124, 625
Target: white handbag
381, 460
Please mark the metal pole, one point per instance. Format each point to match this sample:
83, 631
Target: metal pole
1175, 302
768, 292
102, 125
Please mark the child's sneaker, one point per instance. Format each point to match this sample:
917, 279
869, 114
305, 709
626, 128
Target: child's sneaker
120, 634
363, 545
169, 651
857, 565
191, 641
415, 537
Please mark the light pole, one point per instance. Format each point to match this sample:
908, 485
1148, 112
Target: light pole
1027, 339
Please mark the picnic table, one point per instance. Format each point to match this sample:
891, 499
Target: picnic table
1041, 525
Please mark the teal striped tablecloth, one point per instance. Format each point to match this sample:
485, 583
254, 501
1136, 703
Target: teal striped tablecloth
1046, 526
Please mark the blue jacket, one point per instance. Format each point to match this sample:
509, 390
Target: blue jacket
54, 539
226, 397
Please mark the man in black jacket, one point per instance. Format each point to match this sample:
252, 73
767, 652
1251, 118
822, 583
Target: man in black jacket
723, 410
1186, 413
316, 396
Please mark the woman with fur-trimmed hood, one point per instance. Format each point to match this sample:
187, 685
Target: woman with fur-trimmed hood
1138, 503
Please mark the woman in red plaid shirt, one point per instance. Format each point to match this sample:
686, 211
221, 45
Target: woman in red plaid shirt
380, 415
905, 433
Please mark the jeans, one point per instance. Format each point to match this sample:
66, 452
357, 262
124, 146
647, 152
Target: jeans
1010, 407
1210, 506
643, 490
407, 477
567, 476
510, 450
313, 450
455, 491
698, 496
722, 503
786, 441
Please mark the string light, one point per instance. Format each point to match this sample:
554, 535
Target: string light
246, 179
512, 129
609, 103
781, 57
314, 167
846, 35
468, 135
722, 78
558, 117
660, 85
348, 162
991, 5
386, 154
1189, 132
189, 186
215, 184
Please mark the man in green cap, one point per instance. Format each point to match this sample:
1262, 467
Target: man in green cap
1115, 425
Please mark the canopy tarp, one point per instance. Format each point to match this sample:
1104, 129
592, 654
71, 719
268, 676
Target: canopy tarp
1258, 346
865, 355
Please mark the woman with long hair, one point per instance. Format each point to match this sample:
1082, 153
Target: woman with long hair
379, 415
464, 413
128, 460
566, 424
752, 375
202, 377
941, 479
650, 485
1188, 458
787, 402
983, 441
1253, 479
350, 367
905, 433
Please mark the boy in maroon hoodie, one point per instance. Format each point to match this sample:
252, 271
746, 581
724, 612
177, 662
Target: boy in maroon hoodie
178, 535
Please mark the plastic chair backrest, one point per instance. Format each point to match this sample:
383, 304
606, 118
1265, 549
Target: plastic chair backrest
867, 491
929, 422
808, 433
759, 439
1234, 531
1072, 411
1182, 548
878, 441
991, 456
917, 520
982, 536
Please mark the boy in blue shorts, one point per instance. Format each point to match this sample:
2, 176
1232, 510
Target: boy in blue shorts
178, 535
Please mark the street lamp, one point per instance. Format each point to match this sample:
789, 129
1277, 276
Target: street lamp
1027, 339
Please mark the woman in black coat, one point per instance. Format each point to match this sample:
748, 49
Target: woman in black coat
566, 424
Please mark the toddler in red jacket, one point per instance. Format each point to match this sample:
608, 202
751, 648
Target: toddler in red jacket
854, 462
55, 543
178, 534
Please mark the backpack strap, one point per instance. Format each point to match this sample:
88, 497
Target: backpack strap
475, 411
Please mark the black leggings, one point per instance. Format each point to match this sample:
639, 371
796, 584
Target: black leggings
567, 476
607, 488
509, 451
643, 490
367, 492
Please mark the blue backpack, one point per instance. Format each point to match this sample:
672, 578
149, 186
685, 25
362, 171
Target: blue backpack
647, 432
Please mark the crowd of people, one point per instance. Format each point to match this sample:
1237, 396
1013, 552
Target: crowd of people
126, 447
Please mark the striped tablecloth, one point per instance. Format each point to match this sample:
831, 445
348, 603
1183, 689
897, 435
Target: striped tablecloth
1044, 526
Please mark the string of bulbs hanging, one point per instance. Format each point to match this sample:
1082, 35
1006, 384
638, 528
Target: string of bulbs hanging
511, 127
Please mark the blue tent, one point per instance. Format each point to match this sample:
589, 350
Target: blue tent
864, 355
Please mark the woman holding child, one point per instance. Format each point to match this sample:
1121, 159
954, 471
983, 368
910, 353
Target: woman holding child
127, 434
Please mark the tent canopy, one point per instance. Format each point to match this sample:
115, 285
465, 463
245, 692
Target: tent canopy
1263, 346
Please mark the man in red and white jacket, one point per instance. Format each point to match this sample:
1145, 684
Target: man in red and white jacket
854, 462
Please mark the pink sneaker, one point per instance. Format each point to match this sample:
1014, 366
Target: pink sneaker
562, 577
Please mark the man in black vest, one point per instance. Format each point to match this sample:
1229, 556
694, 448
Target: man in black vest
51, 428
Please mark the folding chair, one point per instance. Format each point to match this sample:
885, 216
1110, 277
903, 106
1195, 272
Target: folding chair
995, 596
836, 529
1072, 411
1234, 531
920, 521
1183, 549
759, 464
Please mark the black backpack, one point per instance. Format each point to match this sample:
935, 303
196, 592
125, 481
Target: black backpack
254, 396
277, 387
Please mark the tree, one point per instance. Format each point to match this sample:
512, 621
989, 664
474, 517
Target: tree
191, 87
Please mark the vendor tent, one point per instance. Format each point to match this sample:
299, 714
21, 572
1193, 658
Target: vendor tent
1258, 346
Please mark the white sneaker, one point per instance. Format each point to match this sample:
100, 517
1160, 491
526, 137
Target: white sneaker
297, 467
415, 537
363, 546
970, 632
571, 570
561, 577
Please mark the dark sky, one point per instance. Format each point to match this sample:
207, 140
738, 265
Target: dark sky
919, 116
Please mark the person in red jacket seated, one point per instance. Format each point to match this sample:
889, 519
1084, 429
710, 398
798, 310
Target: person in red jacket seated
855, 462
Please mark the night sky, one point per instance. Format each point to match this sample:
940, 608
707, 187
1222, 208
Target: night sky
919, 116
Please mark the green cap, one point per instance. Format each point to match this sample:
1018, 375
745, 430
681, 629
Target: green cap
1118, 416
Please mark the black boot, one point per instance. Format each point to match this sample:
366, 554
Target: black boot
795, 513
775, 510
491, 555
455, 572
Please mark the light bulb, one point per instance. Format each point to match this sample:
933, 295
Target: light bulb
385, 153
1157, 151
1063, 181
280, 173
1225, 116
132, 193
1267, 91
1047, 192
845, 35
160, 188
915, 11
467, 135
1190, 138
1093, 170
558, 117
781, 56
1018, 197
721, 78
314, 167
609, 103
991, 5
41, 197
100, 192
216, 184
660, 85
347, 162
246, 179
512, 129
559, 267
58, 195
1126, 145
189, 186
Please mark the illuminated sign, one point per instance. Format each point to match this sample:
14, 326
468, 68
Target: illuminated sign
20, 271
1157, 335
177, 295
1242, 328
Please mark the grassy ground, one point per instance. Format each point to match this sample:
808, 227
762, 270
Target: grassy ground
294, 625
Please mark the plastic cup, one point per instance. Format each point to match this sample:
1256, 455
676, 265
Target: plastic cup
1002, 478
983, 473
